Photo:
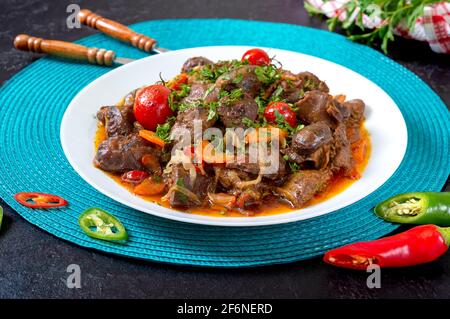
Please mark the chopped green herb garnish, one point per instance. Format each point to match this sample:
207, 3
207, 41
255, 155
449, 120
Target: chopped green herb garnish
298, 128
183, 197
261, 105
163, 130
294, 167
207, 73
280, 120
249, 123
293, 107
289, 82
176, 96
235, 94
267, 74
212, 114
210, 73
238, 78
276, 94
230, 97
208, 91
308, 85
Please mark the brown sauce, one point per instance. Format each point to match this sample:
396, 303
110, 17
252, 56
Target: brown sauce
361, 153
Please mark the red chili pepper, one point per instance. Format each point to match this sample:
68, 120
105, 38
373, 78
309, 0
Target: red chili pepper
40, 200
416, 246
134, 177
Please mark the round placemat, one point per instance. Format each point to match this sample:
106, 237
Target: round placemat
33, 102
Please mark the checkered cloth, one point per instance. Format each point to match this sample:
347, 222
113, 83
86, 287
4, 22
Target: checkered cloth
433, 26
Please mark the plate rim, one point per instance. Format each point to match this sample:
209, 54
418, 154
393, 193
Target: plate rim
202, 219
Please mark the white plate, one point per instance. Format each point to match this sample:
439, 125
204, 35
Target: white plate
384, 122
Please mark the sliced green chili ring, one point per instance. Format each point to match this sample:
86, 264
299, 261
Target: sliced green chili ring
97, 223
416, 208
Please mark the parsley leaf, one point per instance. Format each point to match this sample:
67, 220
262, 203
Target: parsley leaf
267, 74
163, 130
210, 72
176, 96
261, 104
227, 98
249, 123
238, 78
235, 94
212, 114
183, 197
276, 94
294, 167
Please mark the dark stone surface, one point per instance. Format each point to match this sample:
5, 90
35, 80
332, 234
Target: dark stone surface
33, 263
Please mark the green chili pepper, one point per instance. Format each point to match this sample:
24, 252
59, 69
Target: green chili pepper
1, 216
416, 208
97, 223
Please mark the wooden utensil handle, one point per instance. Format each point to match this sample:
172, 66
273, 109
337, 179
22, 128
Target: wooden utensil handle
116, 30
63, 49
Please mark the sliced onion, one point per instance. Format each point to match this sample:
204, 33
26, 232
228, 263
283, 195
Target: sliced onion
222, 199
245, 184
177, 188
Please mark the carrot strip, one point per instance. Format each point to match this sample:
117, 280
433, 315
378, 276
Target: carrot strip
152, 137
206, 150
149, 187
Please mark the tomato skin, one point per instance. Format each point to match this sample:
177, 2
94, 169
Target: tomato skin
152, 106
256, 57
284, 109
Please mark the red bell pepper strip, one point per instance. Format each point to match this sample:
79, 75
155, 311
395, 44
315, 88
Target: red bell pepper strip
40, 200
134, 177
416, 246
176, 82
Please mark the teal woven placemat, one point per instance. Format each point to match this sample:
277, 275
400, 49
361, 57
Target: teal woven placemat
31, 158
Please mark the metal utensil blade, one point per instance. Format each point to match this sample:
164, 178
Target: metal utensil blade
160, 50
126, 60
123, 60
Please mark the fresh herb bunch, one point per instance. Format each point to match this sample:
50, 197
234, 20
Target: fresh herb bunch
391, 12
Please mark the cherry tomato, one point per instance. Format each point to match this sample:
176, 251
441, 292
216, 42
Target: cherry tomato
256, 57
270, 113
134, 177
152, 106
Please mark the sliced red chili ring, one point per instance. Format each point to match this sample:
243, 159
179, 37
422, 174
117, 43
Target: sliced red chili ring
39, 200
